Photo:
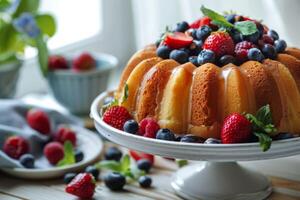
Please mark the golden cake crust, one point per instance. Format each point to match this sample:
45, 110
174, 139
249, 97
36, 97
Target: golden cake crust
293, 52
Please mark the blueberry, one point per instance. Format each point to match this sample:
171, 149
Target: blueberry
273, 34
280, 46
145, 181
255, 54
212, 141
27, 161
206, 56
203, 32
163, 52
194, 33
114, 181
69, 177
283, 136
78, 155
236, 36
195, 48
179, 56
191, 139
144, 164
252, 38
113, 153
93, 170
186, 50
269, 51
165, 134
182, 27
224, 60
194, 60
231, 18
131, 126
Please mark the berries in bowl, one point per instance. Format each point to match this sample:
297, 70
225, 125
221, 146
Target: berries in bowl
75, 80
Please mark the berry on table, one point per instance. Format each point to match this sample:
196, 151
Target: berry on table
131, 126
78, 155
54, 152
113, 153
178, 40
280, 46
241, 50
165, 134
206, 56
144, 164
38, 120
203, 32
84, 62
148, 127
83, 186
114, 181
224, 60
15, 146
93, 170
269, 51
145, 181
212, 141
182, 27
191, 139
179, 56
140, 155
163, 52
56, 62
64, 134
69, 177
273, 34
255, 54
116, 116
27, 161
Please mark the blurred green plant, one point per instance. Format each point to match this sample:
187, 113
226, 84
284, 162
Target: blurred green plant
22, 25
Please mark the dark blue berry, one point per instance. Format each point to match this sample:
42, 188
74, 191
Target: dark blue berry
269, 51
178, 138
194, 33
145, 181
194, 60
186, 50
165, 134
206, 56
182, 27
69, 177
78, 155
280, 46
179, 56
236, 36
191, 139
231, 18
131, 126
203, 32
93, 170
195, 47
255, 54
283, 136
252, 38
273, 34
224, 60
27, 161
113, 153
144, 164
114, 181
212, 141
163, 52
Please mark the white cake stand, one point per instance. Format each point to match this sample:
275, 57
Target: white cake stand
221, 177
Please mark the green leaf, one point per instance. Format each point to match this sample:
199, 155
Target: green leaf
125, 163
246, 27
109, 164
42, 54
264, 115
265, 140
126, 93
30, 6
216, 18
181, 163
4, 4
69, 157
10, 40
46, 23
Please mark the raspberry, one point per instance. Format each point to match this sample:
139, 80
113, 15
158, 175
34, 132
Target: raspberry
84, 62
83, 186
15, 147
241, 50
57, 62
54, 152
64, 133
116, 116
39, 121
148, 128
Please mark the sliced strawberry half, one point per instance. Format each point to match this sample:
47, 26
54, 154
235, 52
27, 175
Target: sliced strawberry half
178, 40
201, 22
136, 155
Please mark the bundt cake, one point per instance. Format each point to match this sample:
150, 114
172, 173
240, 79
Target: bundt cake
199, 73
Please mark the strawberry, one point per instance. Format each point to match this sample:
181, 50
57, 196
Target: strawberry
220, 43
54, 152
236, 129
116, 116
136, 155
82, 186
57, 62
83, 62
201, 22
39, 121
15, 146
241, 50
178, 40
64, 133
148, 128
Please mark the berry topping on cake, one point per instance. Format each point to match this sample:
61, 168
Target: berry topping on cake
206, 56
182, 27
220, 43
241, 50
178, 40
116, 116
255, 54
148, 128
203, 32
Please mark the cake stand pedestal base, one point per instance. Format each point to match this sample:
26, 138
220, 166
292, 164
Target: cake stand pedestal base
220, 180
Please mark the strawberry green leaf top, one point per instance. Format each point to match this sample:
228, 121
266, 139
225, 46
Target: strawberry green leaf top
69, 157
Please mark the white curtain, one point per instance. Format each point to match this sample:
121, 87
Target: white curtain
152, 16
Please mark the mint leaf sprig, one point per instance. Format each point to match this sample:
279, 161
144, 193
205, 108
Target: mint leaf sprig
69, 157
262, 126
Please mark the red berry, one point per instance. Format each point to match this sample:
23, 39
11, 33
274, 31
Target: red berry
201, 22
82, 186
57, 62
83, 62
15, 146
148, 128
39, 121
178, 40
116, 116
54, 152
64, 134
241, 50
267, 39
220, 43
236, 129
136, 155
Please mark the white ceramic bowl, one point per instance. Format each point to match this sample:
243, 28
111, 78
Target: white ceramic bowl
77, 90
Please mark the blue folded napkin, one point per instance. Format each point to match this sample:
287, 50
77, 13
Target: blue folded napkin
13, 122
